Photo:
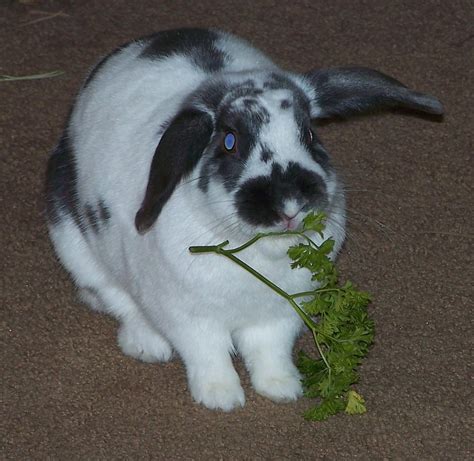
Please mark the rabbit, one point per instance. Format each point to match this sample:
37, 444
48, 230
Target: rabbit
191, 137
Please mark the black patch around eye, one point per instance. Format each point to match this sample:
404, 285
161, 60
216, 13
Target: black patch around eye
218, 164
221, 165
229, 171
319, 154
198, 44
285, 104
246, 122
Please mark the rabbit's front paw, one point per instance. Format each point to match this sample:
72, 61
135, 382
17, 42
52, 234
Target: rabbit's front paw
223, 393
143, 343
280, 386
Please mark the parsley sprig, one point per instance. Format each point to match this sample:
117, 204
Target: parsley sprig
336, 315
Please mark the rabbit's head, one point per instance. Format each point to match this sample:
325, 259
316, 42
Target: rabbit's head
248, 141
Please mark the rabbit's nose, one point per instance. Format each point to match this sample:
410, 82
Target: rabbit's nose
289, 215
290, 209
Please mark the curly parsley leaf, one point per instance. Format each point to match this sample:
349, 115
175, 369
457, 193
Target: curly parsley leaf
355, 403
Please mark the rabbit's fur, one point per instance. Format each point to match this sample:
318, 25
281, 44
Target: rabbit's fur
192, 137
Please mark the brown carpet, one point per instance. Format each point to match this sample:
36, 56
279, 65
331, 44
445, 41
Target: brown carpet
69, 393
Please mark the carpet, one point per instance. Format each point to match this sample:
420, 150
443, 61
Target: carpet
67, 390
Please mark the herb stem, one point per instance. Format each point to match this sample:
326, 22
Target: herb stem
209, 248
313, 292
256, 238
302, 294
321, 351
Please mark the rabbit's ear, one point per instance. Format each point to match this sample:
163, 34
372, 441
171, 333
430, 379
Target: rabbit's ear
178, 152
344, 91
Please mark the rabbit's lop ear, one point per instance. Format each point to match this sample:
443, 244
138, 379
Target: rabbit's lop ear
344, 91
178, 152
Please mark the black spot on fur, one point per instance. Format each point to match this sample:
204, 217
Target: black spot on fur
94, 218
90, 219
248, 114
249, 83
61, 179
260, 200
240, 90
197, 44
61, 191
266, 155
250, 103
104, 213
255, 111
258, 115
300, 103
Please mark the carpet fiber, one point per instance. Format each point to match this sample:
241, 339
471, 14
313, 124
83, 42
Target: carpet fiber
69, 393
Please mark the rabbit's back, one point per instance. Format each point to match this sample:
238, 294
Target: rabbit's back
124, 105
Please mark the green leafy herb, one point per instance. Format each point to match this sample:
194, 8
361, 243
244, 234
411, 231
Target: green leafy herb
336, 316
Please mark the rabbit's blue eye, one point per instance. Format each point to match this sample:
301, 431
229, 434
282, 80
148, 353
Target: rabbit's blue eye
230, 142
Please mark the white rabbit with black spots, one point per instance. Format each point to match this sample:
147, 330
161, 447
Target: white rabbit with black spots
192, 137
